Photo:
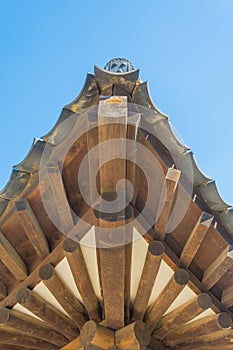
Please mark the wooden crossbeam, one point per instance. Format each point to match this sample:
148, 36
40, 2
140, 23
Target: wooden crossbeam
195, 239
11, 259
59, 198
74, 345
63, 295
171, 181
30, 326
135, 336
3, 290
150, 270
217, 269
82, 279
32, 228
219, 339
182, 314
206, 325
39, 307
227, 297
9, 336
97, 337
164, 300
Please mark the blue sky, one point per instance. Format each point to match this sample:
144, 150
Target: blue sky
184, 48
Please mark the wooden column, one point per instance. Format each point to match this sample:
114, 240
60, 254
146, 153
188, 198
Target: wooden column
182, 314
195, 239
11, 259
30, 326
217, 269
147, 280
39, 307
63, 295
135, 336
97, 337
32, 228
206, 325
171, 181
81, 276
173, 288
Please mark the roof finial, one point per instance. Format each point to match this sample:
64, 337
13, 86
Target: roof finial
119, 65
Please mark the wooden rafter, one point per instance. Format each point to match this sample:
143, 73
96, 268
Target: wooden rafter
97, 337
63, 295
38, 306
135, 336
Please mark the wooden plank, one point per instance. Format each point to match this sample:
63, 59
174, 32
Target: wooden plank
150, 270
135, 336
10, 336
171, 181
182, 314
97, 337
74, 345
30, 326
32, 228
164, 300
82, 279
195, 239
217, 269
217, 339
206, 325
59, 198
63, 295
3, 290
227, 297
42, 309
11, 259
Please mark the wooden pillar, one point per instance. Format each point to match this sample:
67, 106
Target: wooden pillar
147, 280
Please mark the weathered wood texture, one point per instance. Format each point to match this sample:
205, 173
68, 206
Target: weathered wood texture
32, 228
74, 345
135, 336
3, 290
164, 300
81, 276
11, 259
183, 314
41, 308
30, 326
206, 325
150, 270
227, 297
217, 269
195, 239
63, 295
167, 195
97, 337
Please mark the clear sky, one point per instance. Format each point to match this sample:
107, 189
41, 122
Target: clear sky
184, 48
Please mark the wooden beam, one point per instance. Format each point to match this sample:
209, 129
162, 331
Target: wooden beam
30, 326
227, 297
217, 339
171, 182
32, 228
135, 336
150, 270
127, 293
97, 337
208, 346
74, 345
3, 290
206, 325
195, 239
11, 259
164, 300
9, 336
42, 309
63, 295
13, 347
82, 279
217, 269
182, 314
59, 198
